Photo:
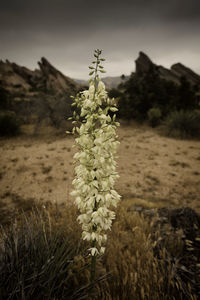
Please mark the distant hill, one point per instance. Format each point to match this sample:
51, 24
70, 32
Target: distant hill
110, 82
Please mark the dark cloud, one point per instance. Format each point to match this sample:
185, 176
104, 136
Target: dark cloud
67, 31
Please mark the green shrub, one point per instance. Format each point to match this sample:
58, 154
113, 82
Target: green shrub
183, 124
154, 116
40, 261
9, 123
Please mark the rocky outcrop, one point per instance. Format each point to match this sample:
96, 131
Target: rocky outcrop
181, 70
47, 79
35, 96
145, 65
54, 80
169, 75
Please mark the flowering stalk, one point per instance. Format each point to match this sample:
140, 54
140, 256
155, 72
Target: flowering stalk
95, 172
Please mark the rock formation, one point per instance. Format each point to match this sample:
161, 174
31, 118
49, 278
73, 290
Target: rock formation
145, 65
42, 95
47, 79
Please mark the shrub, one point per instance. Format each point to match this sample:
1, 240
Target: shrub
9, 124
183, 124
154, 116
39, 261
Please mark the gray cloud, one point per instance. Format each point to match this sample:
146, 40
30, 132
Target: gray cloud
67, 31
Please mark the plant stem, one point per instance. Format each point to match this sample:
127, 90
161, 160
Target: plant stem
93, 265
93, 244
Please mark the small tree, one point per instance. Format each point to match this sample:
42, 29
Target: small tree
96, 169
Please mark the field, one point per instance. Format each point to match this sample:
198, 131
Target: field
154, 170
143, 260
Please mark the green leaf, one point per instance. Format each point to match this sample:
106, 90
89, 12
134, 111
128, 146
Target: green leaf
102, 71
102, 59
101, 67
91, 73
70, 118
90, 67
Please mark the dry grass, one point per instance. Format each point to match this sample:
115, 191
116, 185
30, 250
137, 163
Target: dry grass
155, 172
134, 265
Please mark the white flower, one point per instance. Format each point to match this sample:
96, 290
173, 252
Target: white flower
94, 251
96, 173
101, 87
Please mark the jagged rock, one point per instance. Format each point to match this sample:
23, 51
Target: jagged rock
144, 64
13, 78
48, 79
54, 80
36, 95
180, 70
169, 75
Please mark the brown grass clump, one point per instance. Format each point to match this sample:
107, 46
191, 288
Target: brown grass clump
135, 272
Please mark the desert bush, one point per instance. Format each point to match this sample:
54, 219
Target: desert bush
183, 124
154, 116
39, 261
9, 124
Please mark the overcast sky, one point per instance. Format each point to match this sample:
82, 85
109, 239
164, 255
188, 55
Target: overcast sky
67, 31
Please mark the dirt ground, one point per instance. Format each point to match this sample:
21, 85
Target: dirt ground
154, 170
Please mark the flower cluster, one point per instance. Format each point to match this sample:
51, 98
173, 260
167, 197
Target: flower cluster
96, 167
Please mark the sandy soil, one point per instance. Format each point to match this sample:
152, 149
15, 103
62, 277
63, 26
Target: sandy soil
154, 170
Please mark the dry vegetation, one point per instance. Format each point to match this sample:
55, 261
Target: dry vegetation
139, 263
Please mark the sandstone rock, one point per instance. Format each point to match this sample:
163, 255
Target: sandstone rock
44, 92
144, 64
180, 70
54, 80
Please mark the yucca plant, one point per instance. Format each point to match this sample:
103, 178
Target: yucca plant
37, 261
96, 166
